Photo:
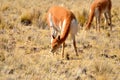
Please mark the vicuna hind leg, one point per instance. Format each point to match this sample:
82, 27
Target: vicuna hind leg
74, 45
108, 19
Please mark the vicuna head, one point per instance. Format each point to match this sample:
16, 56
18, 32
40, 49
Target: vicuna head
55, 44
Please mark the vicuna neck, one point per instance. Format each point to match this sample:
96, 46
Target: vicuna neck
66, 29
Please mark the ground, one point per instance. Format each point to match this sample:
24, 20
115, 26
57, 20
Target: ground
25, 44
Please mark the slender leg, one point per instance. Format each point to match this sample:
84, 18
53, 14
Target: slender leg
96, 24
106, 18
74, 45
110, 22
97, 14
52, 33
63, 46
99, 23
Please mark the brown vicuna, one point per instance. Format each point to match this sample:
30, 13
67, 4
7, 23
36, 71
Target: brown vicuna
62, 21
96, 9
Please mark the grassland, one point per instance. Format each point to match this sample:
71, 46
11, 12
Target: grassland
25, 44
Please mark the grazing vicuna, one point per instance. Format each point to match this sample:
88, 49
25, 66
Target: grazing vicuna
62, 21
96, 9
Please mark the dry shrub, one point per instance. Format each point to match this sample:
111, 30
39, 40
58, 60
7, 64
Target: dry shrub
26, 18
30, 16
36, 15
81, 16
42, 21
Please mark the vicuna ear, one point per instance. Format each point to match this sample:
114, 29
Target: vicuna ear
53, 36
58, 37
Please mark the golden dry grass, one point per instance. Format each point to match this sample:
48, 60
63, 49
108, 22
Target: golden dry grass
24, 49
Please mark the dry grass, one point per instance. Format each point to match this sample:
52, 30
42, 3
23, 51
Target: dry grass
24, 49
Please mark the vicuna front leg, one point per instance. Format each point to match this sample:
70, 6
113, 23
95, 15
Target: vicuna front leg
110, 22
97, 15
98, 23
62, 52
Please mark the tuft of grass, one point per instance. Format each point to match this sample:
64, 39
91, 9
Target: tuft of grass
42, 21
0, 18
2, 56
2, 24
103, 70
26, 18
6, 24
36, 16
5, 7
30, 17
115, 14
